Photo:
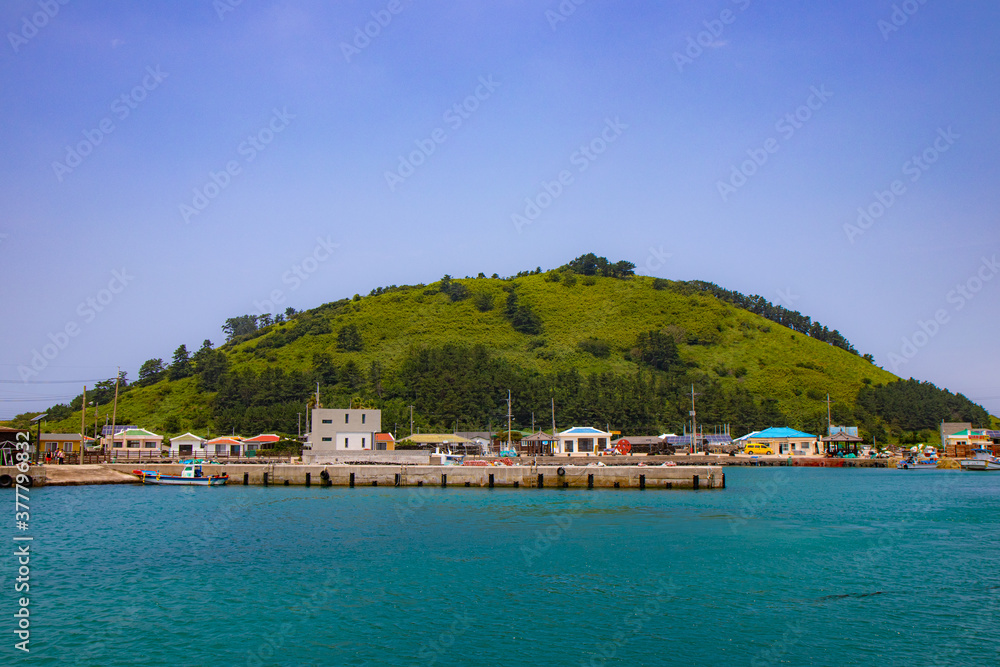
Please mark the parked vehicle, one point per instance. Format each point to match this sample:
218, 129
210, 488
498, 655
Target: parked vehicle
754, 448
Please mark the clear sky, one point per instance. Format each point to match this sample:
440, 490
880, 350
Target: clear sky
166, 165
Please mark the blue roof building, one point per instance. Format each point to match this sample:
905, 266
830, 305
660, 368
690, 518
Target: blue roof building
785, 441
581, 440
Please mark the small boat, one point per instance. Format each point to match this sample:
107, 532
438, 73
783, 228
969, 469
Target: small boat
981, 460
192, 475
914, 461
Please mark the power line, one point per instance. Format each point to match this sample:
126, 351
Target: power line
53, 381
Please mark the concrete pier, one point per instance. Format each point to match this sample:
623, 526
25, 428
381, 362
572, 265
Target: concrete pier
8, 476
528, 477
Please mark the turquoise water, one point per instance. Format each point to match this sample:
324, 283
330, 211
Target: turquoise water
786, 566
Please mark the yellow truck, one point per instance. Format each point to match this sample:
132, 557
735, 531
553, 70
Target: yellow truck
757, 448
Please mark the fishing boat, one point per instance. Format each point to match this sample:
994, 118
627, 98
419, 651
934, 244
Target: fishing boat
192, 475
981, 460
917, 460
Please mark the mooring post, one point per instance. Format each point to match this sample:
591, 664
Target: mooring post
723, 480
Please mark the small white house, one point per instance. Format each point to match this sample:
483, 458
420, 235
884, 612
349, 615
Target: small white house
581, 441
188, 444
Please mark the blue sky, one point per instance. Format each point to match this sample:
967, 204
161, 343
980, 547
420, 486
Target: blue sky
176, 163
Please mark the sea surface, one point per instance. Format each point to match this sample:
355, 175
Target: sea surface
786, 566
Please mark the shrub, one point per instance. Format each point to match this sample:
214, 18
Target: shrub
660, 284
594, 346
483, 301
569, 280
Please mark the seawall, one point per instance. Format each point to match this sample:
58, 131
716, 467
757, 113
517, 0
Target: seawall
542, 476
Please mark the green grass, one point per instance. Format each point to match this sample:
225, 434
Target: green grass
772, 360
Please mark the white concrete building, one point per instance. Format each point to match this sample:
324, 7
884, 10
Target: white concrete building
188, 444
581, 441
335, 430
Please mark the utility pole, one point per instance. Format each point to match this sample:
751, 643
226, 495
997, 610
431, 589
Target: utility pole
114, 414
411, 420
508, 420
694, 425
317, 396
83, 422
299, 415
829, 424
552, 446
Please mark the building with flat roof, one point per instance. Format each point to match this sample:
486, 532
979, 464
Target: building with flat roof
340, 430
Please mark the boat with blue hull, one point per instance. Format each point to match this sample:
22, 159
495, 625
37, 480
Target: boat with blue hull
192, 475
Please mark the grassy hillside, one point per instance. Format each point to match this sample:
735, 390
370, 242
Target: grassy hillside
589, 324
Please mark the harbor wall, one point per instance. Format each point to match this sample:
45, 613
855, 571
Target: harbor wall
36, 473
543, 476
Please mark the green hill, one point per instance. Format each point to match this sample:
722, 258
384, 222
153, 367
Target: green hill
618, 351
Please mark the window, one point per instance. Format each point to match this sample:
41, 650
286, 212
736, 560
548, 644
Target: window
569, 446
362, 419
347, 418
586, 445
362, 439
132, 444
149, 444
327, 439
327, 421
347, 443
602, 442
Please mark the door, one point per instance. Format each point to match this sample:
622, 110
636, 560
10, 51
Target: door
186, 450
234, 450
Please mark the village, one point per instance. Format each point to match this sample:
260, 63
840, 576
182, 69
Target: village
356, 435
